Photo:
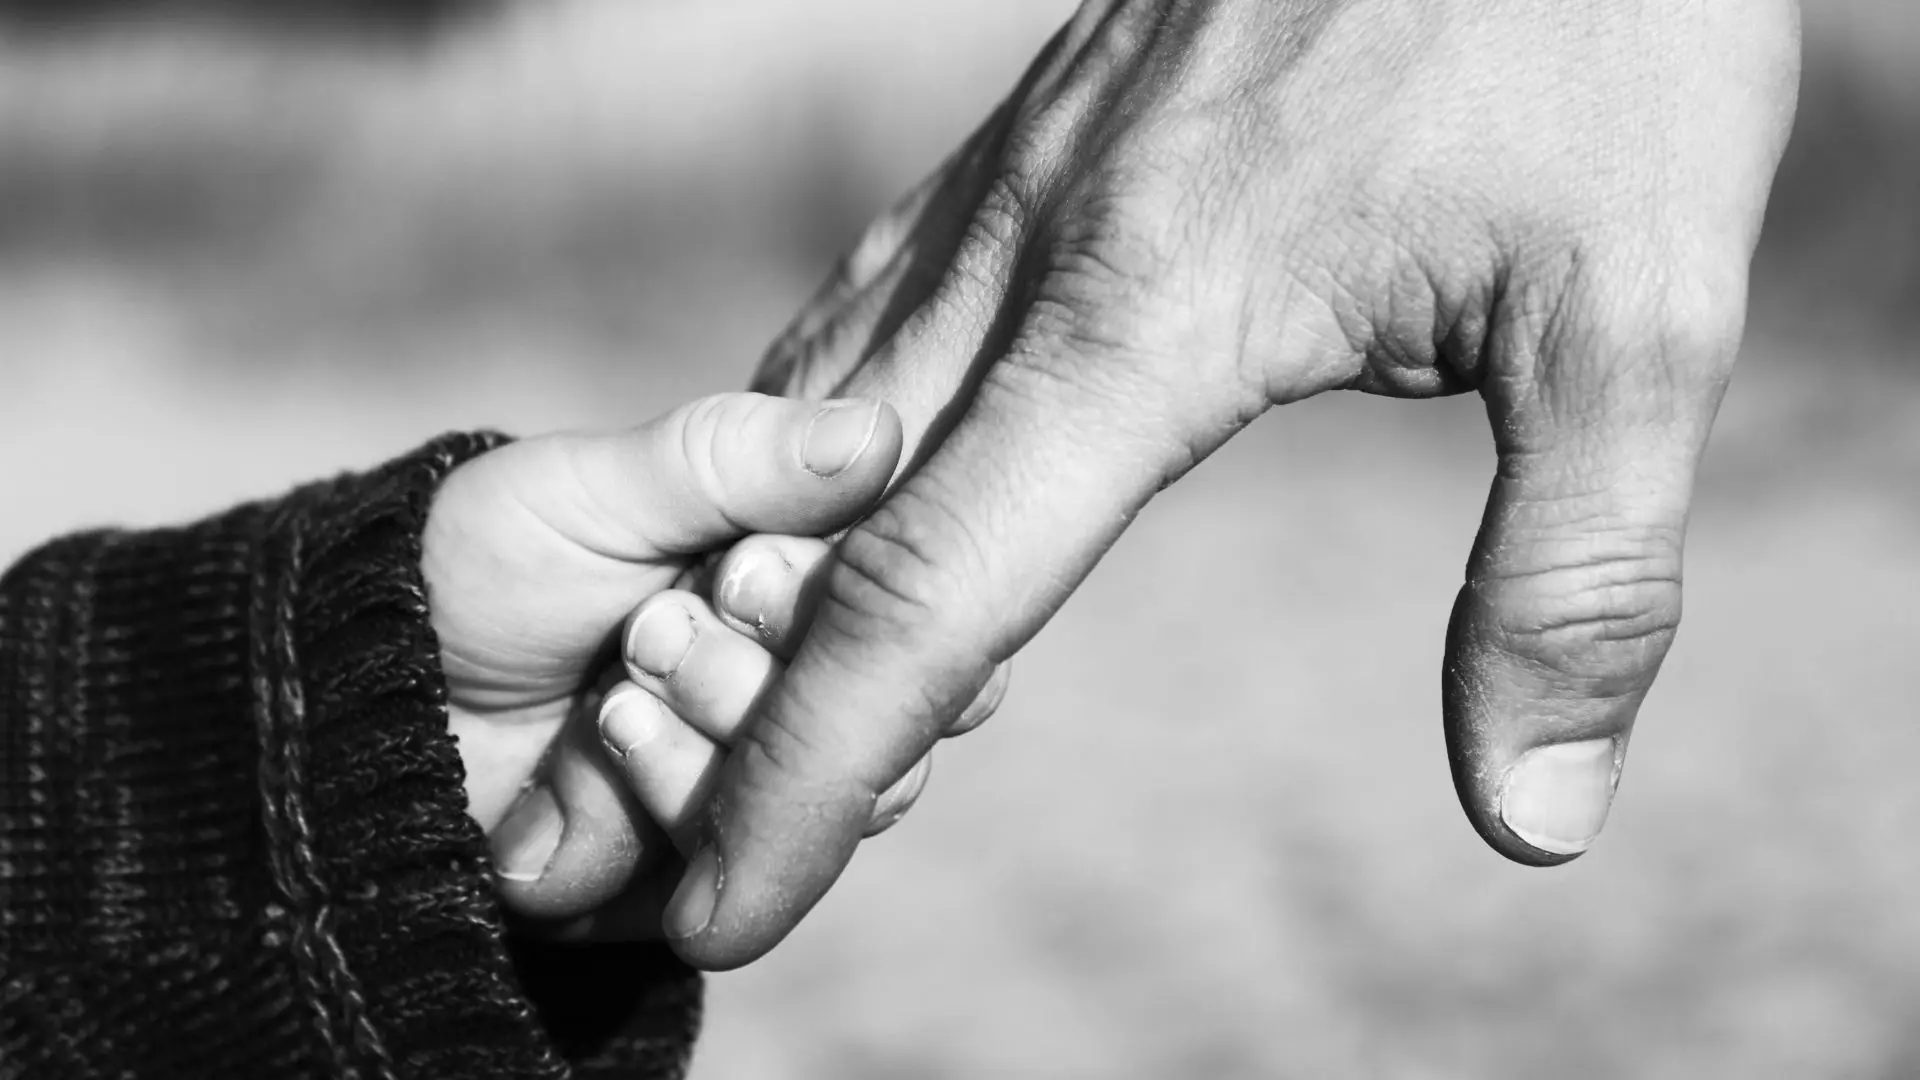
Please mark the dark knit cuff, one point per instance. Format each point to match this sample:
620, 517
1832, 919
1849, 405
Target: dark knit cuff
233, 828
388, 900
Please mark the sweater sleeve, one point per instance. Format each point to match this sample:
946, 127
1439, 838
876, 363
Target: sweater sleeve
233, 837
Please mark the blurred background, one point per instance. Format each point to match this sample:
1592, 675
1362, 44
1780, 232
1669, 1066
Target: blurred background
1211, 834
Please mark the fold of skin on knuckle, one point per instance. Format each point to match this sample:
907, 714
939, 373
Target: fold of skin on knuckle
1412, 301
900, 569
775, 747
899, 580
1362, 272
995, 232
1590, 607
1136, 224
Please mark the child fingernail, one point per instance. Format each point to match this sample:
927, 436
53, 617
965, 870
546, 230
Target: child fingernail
838, 435
629, 719
893, 803
1557, 796
693, 902
750, 584
659, 639
525, 841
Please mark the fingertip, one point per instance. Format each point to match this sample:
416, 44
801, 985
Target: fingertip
668, 765
1543, 809
1502, 822
837, 435
597, 842
721, 467
767, 585
986, 703
752, 579
1556, 796
690, 911
688, 922
893, 804
854, 441
630, 720
660, 634
528, 836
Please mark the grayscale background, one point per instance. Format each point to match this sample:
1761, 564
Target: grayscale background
1211, 834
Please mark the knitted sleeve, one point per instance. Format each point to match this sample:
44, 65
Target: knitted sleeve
233, 838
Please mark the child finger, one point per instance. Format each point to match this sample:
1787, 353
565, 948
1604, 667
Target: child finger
986, 702
677, 649
668, 766
766, 588
576, 837
893, 803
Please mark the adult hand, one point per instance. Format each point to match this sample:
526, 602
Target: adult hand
1191, 210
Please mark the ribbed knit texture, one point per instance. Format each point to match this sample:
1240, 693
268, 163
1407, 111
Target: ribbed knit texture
233, 838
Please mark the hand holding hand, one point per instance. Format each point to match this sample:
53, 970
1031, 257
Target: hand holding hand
1189, 212
535, 553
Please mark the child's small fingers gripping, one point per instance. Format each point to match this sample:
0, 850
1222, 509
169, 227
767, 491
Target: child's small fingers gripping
678, 649
667, 764
893, 803
766, 588
700, 679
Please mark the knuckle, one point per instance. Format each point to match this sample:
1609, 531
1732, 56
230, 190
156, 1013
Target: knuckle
903, 567
1002, 218
1096, 301
777, 764
1113, 253
1601, 608
775, 753
1124, 231
1033, 150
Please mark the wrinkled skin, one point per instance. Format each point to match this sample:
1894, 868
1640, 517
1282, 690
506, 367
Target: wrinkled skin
1190, 211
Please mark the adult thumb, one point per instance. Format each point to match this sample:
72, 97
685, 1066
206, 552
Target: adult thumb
1573, 591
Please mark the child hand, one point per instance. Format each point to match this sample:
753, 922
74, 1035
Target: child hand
534, 553
693, 672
